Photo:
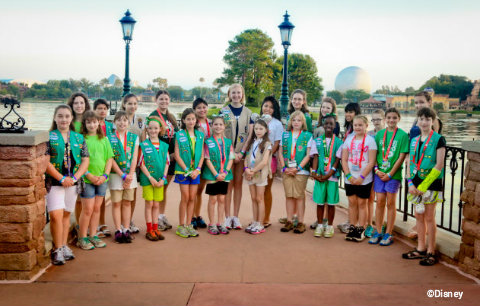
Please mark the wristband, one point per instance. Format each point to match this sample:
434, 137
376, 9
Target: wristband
245, 168
348, 176
283, 169
124, 176
225, 171
299, 168
62, 179
88, 172
389, 175
149, 177
199, 169
243, 152
334, 169
314, 171
375, 168
362, 177
217, 175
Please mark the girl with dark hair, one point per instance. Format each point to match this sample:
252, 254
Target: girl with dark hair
327, 108
170, 122
68, 161
351, 110
200, 106
79, 104
101, 159
189, 157
298, 102
270, 106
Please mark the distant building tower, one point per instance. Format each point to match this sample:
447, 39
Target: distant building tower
353, 77
112, 78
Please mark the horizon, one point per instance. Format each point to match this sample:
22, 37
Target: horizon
398, 44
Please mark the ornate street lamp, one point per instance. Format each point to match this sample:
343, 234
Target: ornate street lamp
127, 27
286, 29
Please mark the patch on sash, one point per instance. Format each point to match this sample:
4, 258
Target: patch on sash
53, 136
211, 145
182, 139
148, 150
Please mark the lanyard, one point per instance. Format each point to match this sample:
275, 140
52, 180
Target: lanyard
223, 154
332, 141
192, 149
385, 156
423, 151
208, 128
254, 150
104, 127
68, 164
292, 154
349, 131
361, 154
164, 123
124, 144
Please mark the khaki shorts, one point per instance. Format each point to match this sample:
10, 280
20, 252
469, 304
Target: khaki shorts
295, 186
119, 195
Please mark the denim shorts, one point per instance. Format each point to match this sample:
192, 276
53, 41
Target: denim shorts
390, 186
92, 191
186, 180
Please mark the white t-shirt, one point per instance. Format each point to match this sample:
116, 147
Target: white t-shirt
313, 151
294, 141
115, 182
275, 130
354, 153
255, 148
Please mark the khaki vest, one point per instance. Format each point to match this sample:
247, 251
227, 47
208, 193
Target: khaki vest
231, 125
266, 171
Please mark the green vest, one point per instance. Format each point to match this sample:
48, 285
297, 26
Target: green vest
57, 149
308, 119
429, 158
301, 147
108, 128
155, 161
215, 158
181, 137
119, 153
321, 154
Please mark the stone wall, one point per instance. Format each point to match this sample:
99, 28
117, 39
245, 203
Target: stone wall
22, 205
469, 255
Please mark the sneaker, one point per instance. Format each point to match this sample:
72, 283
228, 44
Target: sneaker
360, 234
159, 234
295, 221
384, 228
133, 228
318, 230
97, 242
201, 223
236, 223
282, 220
228, 223
369, 231
387, 240
287, 227
300, 228
191, 231
151, 235
166, 223
352, 230
212, 229
57, 257
249, 228
67, 253
161, 225
194, 223
127, 237
119, 237
328, 231
222, 229
344, 227
314, 225
257, 229
375, 238
182, 231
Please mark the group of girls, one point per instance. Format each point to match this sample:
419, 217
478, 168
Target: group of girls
87, 154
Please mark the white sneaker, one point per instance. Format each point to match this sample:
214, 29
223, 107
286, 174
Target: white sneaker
228, 223
236, 223
161, 224
318, 230
249, 228
328, 231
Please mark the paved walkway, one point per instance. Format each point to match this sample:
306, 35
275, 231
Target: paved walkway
240, 269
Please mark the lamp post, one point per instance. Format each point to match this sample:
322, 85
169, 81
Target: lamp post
127, 27
286, 29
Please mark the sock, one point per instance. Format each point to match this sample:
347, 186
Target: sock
149, 226
324, 221
155, 226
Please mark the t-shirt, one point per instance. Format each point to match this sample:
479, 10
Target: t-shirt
157, 146
77, 126
100, 152
354, 148
437, 184
314, 151
116, 182
254, 149
294, 141
169, 137
206, 129
275, 130
399, 145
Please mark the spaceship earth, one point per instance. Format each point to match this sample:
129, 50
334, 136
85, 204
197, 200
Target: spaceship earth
353, 77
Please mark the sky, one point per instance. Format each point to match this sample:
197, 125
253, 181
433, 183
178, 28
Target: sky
402, 43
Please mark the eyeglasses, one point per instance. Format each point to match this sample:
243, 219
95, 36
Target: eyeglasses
376, 120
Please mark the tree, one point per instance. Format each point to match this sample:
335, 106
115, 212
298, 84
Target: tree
162, 83
175, 92
85, 85
453, 85
438, 106
104, 82
336, 95
302, 74
250, 59
118, 83
356, 95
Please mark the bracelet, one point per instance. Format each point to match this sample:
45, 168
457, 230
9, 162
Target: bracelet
149, 177
334, 169
362, 177
243, 152
88, 172
217, 175
164, 177
283, 169
299, 168
105, 176
389, 175
124, 176
62, 179
376, 170
314, 171
225, 171
348, 176
199, 169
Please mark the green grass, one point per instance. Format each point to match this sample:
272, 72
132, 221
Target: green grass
255, 109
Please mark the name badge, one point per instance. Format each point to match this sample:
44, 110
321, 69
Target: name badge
114, 140
211, 145
53, 137
355, 168
182, 139
148, 150
292, 164
385, 164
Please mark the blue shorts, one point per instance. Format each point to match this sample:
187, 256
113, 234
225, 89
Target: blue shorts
186, 180
92, 191
390, 186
